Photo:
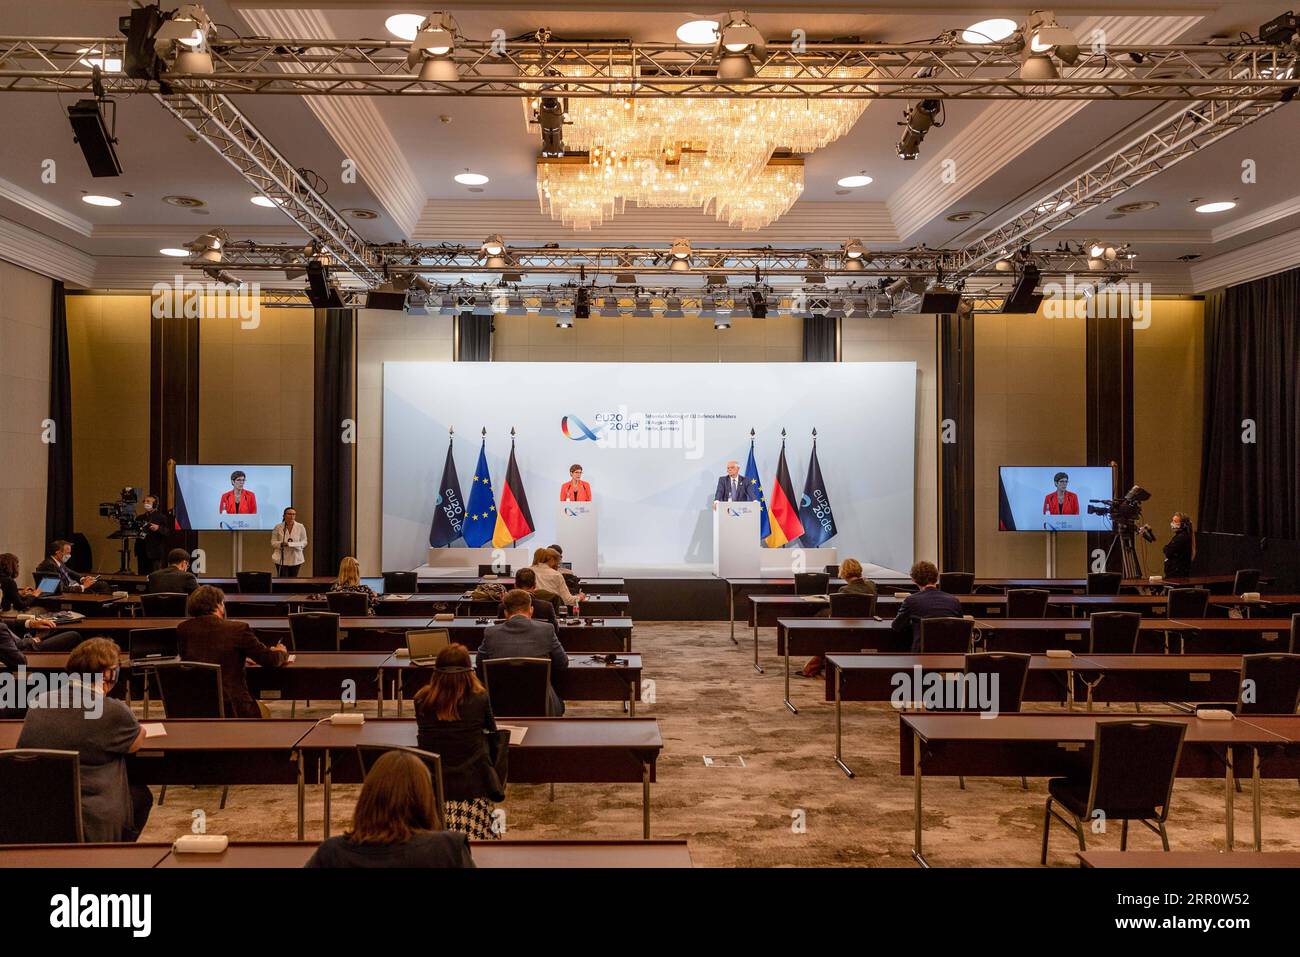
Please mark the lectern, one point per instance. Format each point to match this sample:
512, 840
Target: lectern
575, 532
735, 539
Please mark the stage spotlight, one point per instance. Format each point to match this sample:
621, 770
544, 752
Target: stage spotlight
140, 27
673, 307
1038, 67
894, 287
721, 322
919, 119
563, 322
183, 40
681, 249
550, 117
757, 304
853, 249
320, 289
95, 138
431, 48
582, 304
209, 246
736, 42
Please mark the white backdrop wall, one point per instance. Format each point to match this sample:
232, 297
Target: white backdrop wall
653, 483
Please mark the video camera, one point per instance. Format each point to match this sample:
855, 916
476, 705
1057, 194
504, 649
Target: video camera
1124, 512
123, 512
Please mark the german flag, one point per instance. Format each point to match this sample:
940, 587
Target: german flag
514, 520
783, 507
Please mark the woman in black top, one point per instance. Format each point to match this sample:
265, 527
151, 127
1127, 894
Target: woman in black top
1181, 550
453, 716
396, 822
12, 597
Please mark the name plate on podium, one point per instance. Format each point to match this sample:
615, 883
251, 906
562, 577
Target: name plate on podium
735, 539
575, 532
1063, 523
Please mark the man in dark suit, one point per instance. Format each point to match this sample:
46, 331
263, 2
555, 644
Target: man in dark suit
55, 565
521, 637
733, 487
208, 637
176, 578
543, 609
926, 602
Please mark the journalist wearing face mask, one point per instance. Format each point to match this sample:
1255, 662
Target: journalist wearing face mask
1181, 550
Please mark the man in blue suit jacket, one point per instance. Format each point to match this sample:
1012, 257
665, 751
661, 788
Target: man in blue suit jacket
521, 637
927, 602
734, 487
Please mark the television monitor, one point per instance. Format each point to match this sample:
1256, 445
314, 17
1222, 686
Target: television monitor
1036, 498
232, 498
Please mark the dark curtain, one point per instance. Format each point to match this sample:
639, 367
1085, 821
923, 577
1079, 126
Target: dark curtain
333, 532
58, 488
1252, 392
956, 354
473, 338
819, 338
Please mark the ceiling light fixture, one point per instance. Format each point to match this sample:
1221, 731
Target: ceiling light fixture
431, 49
1220, 207
174, 251
405, 26
265, 201
494, 245
183, 40
853, 182
101, 200
918, 120
698, 32
737, 41
470, 179
92, 57
989, 31
853, 249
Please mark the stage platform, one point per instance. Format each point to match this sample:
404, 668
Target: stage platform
662, 593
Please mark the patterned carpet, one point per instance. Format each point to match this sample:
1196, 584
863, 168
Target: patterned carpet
789, 805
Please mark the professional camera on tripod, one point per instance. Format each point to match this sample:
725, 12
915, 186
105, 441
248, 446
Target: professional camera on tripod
129, 525
1125, 516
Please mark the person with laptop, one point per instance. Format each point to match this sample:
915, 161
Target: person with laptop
543, 609
395, 823
521, 637
349, 580
13, 597
453, 718
208, 637
55, 565
38, 634
546, 566
175, 578
112, 808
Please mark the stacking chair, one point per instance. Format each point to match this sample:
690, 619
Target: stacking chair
1246, 579
1104, 583
957, 583
42, 797
253, 583
1133, 768
314, 631
348, 604
1012, 671
165, 604
191, 689
368, 754
1027, 603
853, 606
256, 609
1111, 633
831, 570
811, 583
1274, 684
1187, 602
951, 636
518, 687
401, 583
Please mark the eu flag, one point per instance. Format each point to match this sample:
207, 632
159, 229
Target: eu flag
448, 506
751, 473
482, 505
815, 506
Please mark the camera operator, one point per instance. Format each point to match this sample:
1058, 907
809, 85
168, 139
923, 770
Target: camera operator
1181, 550
156, 526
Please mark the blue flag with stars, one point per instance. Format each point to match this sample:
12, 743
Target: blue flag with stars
481, 517
751, 473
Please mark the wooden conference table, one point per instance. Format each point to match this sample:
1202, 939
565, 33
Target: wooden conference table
282, 854
1060, 745
235, 751
1107, 678
321, 583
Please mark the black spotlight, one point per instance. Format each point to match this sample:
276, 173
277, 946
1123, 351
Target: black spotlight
140, 27
550, 116
757, 304
918, 121
581, 304
94, 136
1023, 299
320, 291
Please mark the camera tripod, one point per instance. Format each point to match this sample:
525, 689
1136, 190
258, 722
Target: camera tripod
1125, 538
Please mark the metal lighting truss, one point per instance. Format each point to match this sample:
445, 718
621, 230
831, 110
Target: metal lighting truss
406, 259
621, 69
216, 120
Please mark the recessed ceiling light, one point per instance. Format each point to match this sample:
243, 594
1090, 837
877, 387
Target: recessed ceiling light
93, 58
358, 213
173, 251
101, 201
1141, 206
698, 32
989, 31
966, 216
267, 201
470, 179
853, 182
184, 202
404, 26
1222, 207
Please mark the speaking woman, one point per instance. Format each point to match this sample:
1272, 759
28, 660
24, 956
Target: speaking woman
1062, 501
288, 541
575, 489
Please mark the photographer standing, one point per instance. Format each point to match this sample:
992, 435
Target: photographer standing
156, 527
1181, 550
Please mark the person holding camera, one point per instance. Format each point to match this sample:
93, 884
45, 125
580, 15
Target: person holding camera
155, 527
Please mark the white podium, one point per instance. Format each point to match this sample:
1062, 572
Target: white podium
575, 532
735, 539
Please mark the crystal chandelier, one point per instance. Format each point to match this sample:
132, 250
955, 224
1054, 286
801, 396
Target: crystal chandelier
714, 154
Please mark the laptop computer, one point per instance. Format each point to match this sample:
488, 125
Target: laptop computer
151, 646
425, 643
47, 586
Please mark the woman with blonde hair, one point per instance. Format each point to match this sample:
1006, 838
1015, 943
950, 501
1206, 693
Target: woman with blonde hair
396, 822
546, 565
453, 717
349, 580
854, 584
